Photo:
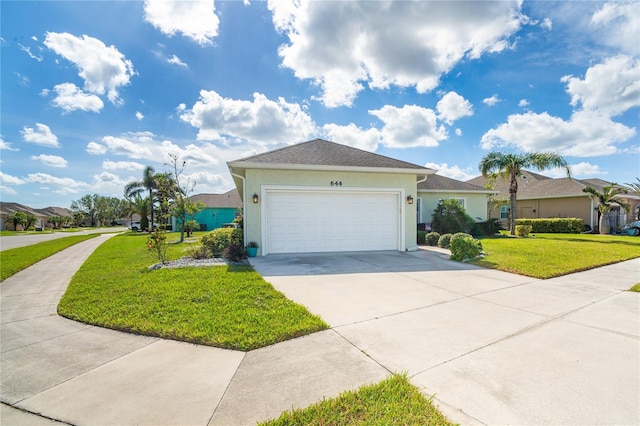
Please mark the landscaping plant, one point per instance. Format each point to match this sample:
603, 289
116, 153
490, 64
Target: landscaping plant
444, 241
432, 238
464, 246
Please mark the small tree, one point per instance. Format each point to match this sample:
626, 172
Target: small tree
17, 218
183, 206
450, 217
605, 203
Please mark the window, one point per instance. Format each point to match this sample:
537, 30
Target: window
504, 212
419, 210
460, 201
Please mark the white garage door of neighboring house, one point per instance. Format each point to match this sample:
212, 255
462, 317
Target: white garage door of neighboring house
319, 221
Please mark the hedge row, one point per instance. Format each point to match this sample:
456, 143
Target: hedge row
570, 225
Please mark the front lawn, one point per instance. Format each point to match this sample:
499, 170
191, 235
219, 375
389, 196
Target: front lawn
19, 258
224, 306
394, 401
552, 255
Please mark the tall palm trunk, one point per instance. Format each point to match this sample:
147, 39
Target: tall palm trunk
513, 195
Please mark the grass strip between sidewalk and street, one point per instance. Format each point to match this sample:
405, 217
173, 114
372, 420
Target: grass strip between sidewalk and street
394, 401
552, 255
229, 307
16, 259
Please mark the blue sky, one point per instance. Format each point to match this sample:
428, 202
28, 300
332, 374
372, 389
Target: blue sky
94, 91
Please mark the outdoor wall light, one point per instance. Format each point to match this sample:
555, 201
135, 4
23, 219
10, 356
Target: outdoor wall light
409, 199
255, 198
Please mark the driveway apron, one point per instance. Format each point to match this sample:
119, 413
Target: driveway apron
493, 347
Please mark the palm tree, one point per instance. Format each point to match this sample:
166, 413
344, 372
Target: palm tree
605, 203
512, 165
148, 183
141, 206
634, 186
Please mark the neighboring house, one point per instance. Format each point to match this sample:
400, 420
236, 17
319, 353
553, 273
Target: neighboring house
540, 196
320, 196
42, 215
220, 209
472, 197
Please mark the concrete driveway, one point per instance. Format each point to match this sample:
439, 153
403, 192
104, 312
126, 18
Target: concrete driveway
493, 347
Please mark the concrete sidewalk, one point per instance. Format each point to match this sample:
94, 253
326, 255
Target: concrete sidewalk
493, 347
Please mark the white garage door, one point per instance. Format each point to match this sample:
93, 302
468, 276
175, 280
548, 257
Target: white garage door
317, 221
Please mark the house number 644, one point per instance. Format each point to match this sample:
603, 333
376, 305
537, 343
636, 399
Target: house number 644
336, 183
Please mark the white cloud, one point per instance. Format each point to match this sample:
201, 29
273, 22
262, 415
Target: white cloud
585, 134
70, 97
65, 186
194, 19
7, 190
176, 61
94, 148
611, 87
409, 126
353, 135
50, 160
523, 103
453, 172
547, 24
458, 132
420, 41
452, 107
579, 170
6, 145
41, 135
493, 100
103, 69
618, 26
122, 165
262, 119
28, 51
10, 180
139, 115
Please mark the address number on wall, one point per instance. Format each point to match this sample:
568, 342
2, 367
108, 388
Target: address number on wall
336, 183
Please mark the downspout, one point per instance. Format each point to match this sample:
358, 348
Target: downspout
244, 205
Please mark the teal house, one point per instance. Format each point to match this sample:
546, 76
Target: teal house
220, 209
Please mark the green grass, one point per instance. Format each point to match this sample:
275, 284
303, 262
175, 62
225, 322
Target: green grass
225, 306
636, 288
19, 258
394, 401
552, 255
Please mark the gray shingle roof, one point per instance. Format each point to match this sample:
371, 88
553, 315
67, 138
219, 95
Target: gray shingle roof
230, 199
533, 185
319, 152
442, 183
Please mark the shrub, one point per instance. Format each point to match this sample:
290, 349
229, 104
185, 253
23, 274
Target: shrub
197, 251
450, 217
464, 246
432, 238
523, 230
444, 241
570, 225
234, 252
157, 244
219, 239
487, 228
422, 237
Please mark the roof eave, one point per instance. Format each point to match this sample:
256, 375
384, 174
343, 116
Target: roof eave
460, 191
331, 168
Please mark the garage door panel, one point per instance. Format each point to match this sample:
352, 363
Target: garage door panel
317, 221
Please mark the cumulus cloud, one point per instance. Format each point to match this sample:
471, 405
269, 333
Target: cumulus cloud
452, 106
409, 126
420, 41
453, 172
65, 186
50, 160
611, 87
491, 101
585, 134
122, 165
10, 180
139, 115
194, 19
103, 69
41, 135
523, 103
261, 119
608, 89
618, 27
94, 148
6, 145
69, 97
174, 60
353, 135
579, 170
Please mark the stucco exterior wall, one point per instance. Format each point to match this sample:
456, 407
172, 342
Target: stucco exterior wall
257, 179
475, 204
579, 207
